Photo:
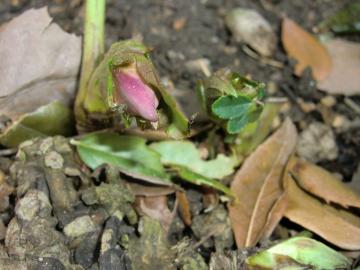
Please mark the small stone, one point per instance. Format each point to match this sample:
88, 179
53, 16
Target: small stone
54, 160
179, 24
34, 204
2, 230
47, 263
45, 145
272, 87
79, 226
317, 143
339, 121
328, 101
85, 252
2, 177
249, 26
306, 106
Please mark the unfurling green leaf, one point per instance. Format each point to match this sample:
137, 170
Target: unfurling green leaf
228, 107
129, 153
49, 120
231, 100
297, 252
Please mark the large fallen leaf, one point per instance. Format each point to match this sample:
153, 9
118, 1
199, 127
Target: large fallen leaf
129, 153
184, 153
335, 225
48, 120
39, 63
306, 49
344, 77
258, 185
323, 184
309, 253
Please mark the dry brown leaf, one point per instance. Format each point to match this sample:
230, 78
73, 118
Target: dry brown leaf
344, 77
184, 207
306, 49
258, 185
156, 208
39, 63
275, 215
148, 190
334, 225
210, 199
323, 184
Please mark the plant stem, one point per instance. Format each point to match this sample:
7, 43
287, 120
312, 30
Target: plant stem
93, 49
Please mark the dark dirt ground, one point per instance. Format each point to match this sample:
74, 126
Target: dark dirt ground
185, 30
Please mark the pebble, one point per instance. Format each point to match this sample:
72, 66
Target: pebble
328, 101
34, 204
317, 143
249, 26
54, 160
79, 226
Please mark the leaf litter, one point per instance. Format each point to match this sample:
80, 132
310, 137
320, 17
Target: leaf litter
258, 184
125, 206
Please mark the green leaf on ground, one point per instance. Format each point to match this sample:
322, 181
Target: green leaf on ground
129, 153
49, 120
199, 179
184, 153
300, 250
228, 107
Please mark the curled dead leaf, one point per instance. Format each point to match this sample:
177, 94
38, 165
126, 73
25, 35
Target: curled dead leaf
184, 207
344, 77
335, 225
323, 184
306, 49
39, 63
258, 185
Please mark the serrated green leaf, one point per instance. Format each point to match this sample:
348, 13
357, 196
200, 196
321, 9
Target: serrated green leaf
49, 120
255, 132
302, 250
129, 153
228, 107
199, 179
184, 153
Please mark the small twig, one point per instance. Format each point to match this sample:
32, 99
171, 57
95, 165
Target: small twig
266, 61
213, 232
276, 100
8, 152
352, 105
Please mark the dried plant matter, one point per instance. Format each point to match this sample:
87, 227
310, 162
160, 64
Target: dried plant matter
38, 66
258, 185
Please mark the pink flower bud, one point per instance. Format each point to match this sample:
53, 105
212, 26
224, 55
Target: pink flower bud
139, 98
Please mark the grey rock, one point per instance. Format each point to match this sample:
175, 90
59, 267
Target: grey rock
317, 143
249, 26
